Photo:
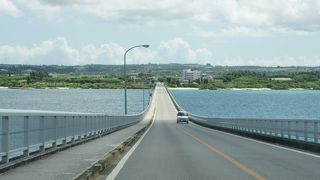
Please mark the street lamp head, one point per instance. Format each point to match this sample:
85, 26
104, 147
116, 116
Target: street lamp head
146, 45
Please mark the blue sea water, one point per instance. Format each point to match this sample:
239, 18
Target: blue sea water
288, 104
109, 101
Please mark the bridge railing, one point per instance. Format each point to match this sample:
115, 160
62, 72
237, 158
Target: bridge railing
27, 132
296, 129
304, 130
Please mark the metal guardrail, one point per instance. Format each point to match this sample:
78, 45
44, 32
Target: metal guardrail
294, 129
298, 129
27, 132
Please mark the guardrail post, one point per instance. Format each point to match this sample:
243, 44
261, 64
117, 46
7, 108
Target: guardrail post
79, 128
246, 127
305, 131
100, 126
254, 126
258, 126
64, 141
289, 129
55, 129
26, 135
108, 124
91, 123
42, 139
5, 139
271, 128
267, 127
316, 132
275, 127
86, 128
97, 125
281, 130
73, 130
297, 131
94, 126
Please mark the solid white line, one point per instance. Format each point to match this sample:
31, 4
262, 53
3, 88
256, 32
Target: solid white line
260, 142
122, 162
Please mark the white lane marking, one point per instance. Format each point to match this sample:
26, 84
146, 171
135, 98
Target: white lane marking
260, 142
122, 162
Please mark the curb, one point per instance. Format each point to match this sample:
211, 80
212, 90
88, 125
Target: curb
104, 166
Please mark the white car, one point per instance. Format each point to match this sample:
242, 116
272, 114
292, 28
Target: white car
182, 116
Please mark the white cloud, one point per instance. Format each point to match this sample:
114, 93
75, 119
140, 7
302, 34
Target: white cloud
56, 51
288, 14
59, 51
244, 31
174, 45
143, 56
8, 8
275, 61
199, 56
180, 49
110, 53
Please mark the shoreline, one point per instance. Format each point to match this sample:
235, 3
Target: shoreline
183, 88
61, 88
250, 89
244, 89
173, 88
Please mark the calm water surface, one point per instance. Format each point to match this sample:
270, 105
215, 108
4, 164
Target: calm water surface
110, 101
303, 104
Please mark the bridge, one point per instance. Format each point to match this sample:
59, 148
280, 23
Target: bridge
153, 146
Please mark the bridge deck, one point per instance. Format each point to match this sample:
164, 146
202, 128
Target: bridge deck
68, 163
181, 151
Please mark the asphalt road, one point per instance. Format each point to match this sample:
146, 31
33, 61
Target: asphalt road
188, 151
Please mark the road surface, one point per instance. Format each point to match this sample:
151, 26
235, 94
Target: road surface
189, 151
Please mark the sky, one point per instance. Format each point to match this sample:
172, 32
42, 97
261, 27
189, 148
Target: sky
219, 32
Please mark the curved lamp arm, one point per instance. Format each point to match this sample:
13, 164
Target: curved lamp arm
125, 73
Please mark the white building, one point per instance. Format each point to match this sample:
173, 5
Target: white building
190, 75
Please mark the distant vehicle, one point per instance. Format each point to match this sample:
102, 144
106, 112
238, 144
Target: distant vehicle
182, 116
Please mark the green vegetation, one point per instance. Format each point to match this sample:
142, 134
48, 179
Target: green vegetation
247, 79
44, 80
142, 76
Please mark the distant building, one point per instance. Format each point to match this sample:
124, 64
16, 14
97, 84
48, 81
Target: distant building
190, 75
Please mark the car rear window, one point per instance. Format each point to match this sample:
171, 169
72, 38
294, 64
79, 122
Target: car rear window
182, 114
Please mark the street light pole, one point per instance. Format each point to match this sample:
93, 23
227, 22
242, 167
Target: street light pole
125, 75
